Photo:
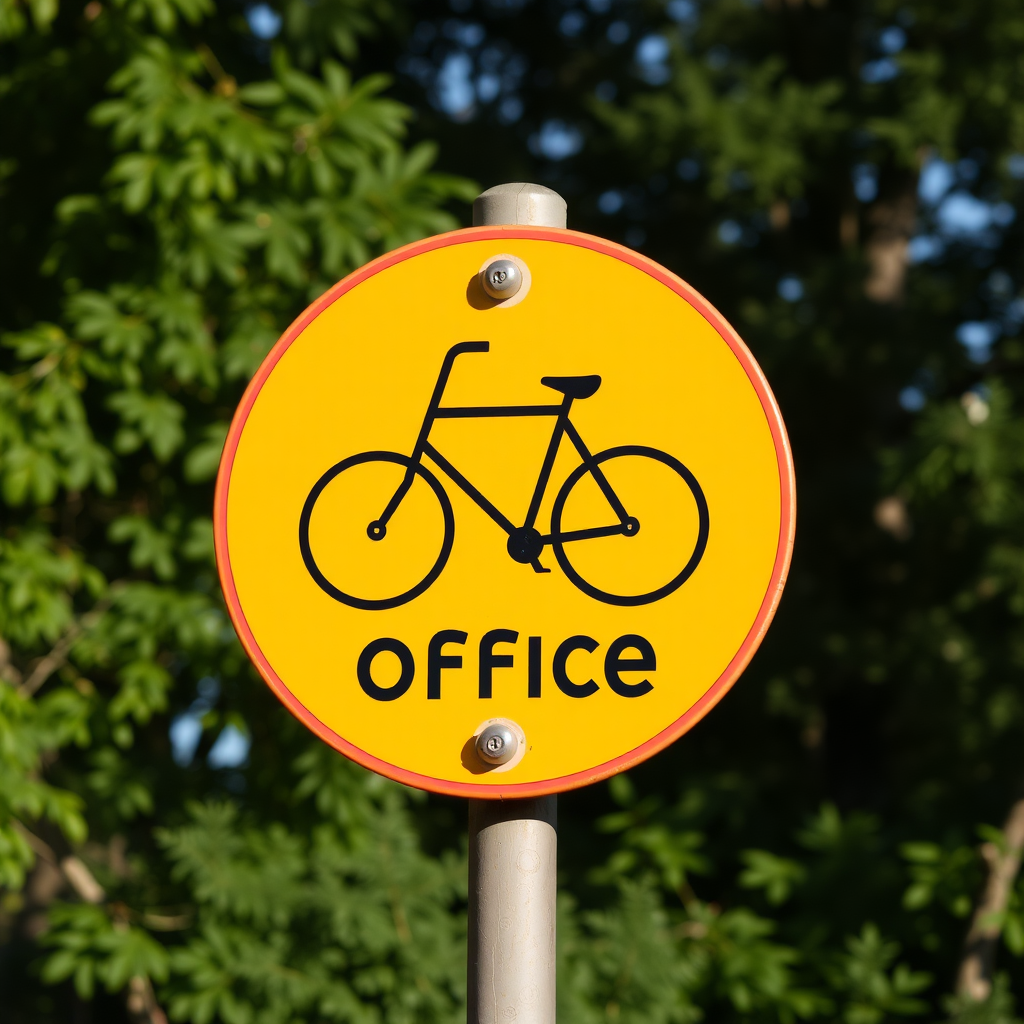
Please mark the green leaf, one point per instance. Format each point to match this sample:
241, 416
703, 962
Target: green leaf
143, 691
152, 419
776, 875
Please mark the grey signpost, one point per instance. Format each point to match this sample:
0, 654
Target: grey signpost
513, 843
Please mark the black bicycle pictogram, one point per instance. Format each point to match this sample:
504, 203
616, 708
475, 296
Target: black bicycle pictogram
525, 543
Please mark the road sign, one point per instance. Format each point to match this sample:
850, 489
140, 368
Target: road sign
505, 512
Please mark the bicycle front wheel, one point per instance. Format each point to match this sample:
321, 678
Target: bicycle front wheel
667, 535
346, 551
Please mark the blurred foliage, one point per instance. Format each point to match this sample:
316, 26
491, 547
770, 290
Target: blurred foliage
178, 178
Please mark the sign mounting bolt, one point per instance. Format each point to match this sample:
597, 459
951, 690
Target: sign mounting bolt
501, 279
497, 744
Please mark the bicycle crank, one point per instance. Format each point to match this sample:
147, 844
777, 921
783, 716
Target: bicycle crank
524, 545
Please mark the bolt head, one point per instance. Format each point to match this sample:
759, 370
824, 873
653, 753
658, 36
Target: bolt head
497, 744
501, 279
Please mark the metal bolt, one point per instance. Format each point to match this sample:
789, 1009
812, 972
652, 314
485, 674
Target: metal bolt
497, 744
501, 279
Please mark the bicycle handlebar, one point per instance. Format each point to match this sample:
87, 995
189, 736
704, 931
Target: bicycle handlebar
442, 380
449, 360
467, 346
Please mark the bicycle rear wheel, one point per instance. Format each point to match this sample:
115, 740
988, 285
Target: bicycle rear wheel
665, 501
347, 558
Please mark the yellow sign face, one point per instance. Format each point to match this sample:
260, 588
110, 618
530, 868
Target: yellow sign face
570, 511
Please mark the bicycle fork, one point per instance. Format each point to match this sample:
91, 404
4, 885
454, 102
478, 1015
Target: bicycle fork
378, 528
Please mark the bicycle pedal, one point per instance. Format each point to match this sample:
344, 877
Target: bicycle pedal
537, 567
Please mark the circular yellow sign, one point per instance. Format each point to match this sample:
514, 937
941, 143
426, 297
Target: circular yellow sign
504, 547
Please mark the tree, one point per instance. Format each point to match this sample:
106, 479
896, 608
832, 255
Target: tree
840, 177
175, 193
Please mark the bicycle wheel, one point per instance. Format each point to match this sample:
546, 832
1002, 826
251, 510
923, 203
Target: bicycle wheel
394, 565
667, 538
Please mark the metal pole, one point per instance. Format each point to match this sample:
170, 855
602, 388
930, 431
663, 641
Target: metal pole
513, 843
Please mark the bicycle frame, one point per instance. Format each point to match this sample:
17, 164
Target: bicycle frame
563, 428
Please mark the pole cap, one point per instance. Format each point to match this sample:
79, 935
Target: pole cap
519, 202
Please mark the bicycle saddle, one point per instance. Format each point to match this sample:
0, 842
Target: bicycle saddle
574, 387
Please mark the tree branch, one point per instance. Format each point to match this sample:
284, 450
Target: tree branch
8, 671
142, 1004
58, 655
891, 223
75, 873
140, 998
974, 978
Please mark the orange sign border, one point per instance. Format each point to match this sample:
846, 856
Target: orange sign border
667, 735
